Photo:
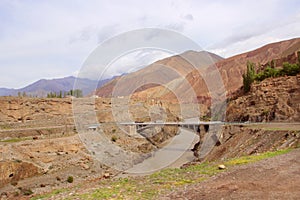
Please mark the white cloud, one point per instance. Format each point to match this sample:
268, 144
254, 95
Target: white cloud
129, 62
188, 17
239, 43
55, 37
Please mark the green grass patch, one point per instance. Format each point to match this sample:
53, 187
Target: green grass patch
14, 140
254, 158
273, 127
49, 195
5, 127
279, 128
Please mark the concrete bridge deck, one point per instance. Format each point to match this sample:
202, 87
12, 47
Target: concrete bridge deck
135, 127
188, 124
184, 123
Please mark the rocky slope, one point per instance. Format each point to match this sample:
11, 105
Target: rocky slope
274, 99
35, 110
235, 141
44, 156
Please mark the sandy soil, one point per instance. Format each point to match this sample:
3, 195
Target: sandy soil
274, 178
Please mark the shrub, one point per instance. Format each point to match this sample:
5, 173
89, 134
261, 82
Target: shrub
114, 138
290, 69
271, 72
27, 192
16, 193
14, 183
70, 179
260, 76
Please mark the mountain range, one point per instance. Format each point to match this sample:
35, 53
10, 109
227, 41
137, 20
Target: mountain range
42, 87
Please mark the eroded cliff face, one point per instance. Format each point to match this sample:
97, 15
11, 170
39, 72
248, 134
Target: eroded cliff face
274, 99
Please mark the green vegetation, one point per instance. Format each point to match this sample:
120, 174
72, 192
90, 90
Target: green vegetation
14, 140
14, 183
250, 76
164, 181
70, 179
54, 192
22, 94
250, 159
5, 126
75, 93
288, 69
26, 191
205, 118
114, 138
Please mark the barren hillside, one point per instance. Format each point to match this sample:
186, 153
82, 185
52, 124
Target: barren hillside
231, 70
158, 73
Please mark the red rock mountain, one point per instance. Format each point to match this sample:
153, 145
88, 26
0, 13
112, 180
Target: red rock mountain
230, 70
158, 73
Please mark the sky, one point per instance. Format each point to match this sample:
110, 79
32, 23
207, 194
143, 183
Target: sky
53, 38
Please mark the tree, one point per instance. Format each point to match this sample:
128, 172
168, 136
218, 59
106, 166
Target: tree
249, 76
60, 94
52, 95
273, 64
78, 93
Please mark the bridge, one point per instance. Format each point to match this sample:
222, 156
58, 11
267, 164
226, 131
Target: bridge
135, 127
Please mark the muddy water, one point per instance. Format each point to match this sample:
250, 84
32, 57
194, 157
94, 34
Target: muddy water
174, 154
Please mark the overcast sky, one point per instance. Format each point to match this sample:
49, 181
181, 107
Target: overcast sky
49, 39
